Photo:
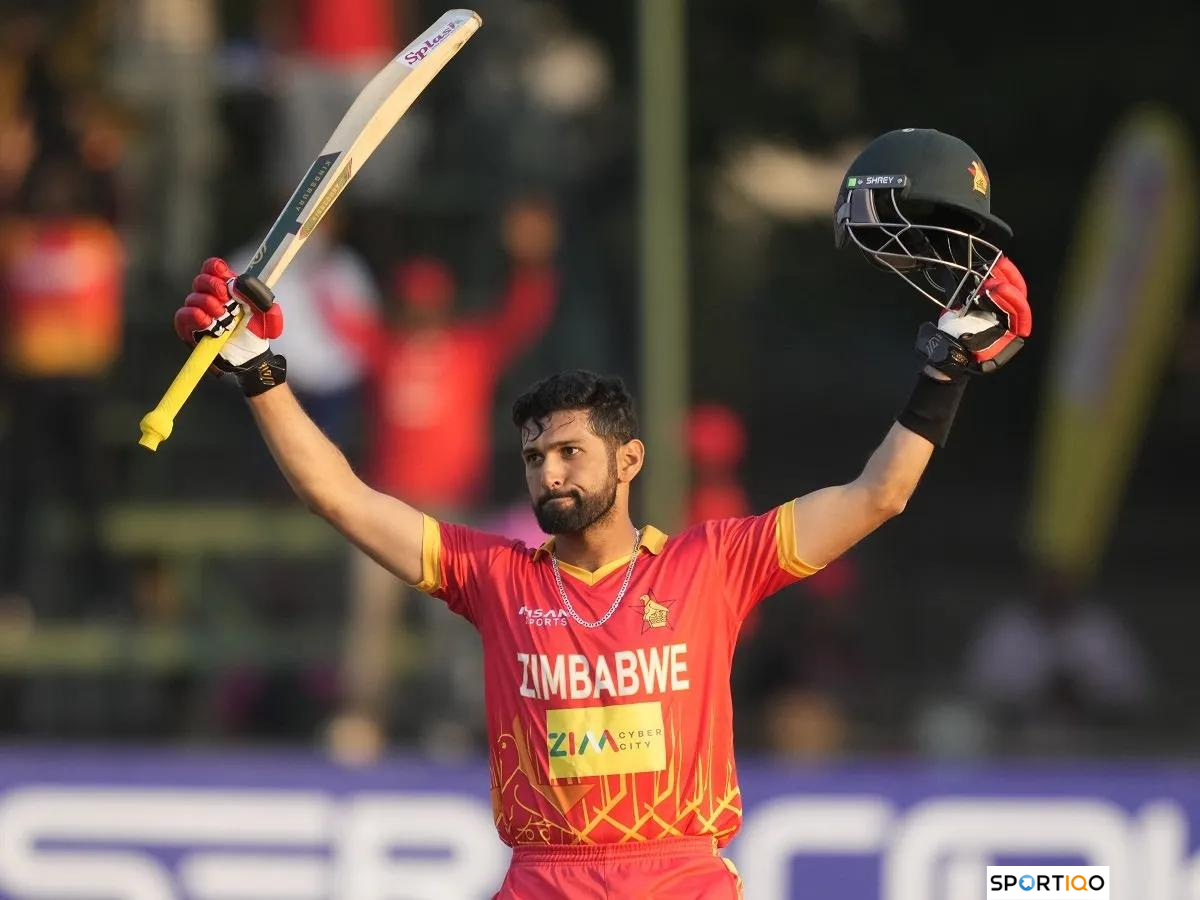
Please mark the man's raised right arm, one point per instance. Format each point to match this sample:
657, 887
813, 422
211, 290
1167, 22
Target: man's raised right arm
387, 529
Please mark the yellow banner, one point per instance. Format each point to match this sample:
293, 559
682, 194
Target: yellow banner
606, 740
1117, 313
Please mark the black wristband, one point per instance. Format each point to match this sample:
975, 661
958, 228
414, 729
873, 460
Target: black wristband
932, 406
263, 374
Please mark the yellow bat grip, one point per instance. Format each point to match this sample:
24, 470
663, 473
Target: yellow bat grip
157, 424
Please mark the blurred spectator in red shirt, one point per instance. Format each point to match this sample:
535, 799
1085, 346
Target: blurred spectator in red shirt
433, 376
432, 379
61, 285
716, 442
349, 31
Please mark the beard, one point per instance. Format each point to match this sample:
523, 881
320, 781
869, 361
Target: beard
577, 511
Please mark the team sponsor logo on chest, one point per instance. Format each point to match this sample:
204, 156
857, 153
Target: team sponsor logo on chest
543, 618
625, 673
605, 740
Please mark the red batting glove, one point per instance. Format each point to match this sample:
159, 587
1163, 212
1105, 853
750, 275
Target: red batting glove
987, 332
211, 308
1008, 294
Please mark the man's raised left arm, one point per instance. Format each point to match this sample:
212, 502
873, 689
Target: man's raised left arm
830, 521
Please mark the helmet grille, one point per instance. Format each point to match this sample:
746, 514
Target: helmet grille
935, 249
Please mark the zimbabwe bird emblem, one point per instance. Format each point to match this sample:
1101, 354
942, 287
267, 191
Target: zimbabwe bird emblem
654, 614
980, 176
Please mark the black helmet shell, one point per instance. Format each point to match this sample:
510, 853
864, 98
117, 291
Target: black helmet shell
925, 165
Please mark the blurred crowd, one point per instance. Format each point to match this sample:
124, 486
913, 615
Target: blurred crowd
137, 138
489, 240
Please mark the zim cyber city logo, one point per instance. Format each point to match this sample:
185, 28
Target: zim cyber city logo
563, 743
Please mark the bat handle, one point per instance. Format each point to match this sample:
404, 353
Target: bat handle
157, 424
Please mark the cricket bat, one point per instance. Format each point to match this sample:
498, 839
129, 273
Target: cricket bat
374, 113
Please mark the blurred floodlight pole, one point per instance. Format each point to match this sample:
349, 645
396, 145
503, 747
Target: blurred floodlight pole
664, 308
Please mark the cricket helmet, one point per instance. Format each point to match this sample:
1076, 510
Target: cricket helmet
917, 202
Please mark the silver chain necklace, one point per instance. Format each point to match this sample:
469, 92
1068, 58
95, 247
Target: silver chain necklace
562, 591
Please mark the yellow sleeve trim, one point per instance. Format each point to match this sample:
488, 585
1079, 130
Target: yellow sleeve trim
785, 543
431, 557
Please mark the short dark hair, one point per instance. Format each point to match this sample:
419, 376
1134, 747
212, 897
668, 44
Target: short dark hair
610, 408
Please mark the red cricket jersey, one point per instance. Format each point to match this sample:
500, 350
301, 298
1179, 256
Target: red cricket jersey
622, 732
